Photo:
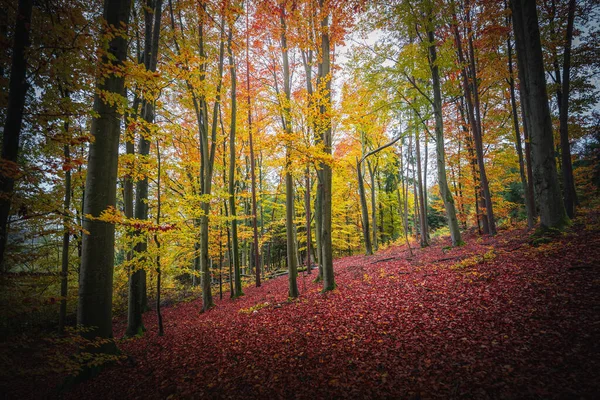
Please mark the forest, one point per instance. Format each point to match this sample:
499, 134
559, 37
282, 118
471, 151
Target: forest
300, 199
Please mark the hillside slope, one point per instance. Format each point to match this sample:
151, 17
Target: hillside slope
496, 318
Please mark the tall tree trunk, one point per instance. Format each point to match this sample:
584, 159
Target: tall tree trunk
478, 134
232, 163
529, 204
439, 134
64, 272
326, 170
289, 183
208, 157
161, 330
471, 92
17, 90
138, 302
570, 196
97, 257
308, 217
307, 61
537, 114
252, 163
422, 213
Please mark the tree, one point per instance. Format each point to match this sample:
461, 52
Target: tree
289, 183
137, 279
570, 196
325, 172
14, 118
235, 254
439, 137
537, 114
97, 259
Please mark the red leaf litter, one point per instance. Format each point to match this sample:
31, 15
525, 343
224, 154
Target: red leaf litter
518, 322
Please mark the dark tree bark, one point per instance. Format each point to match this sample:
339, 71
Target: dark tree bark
232, 163
570, 196
161, 330
308, 218
17, 90
529, 203
137, 302
64, 271
537, 114
97, 259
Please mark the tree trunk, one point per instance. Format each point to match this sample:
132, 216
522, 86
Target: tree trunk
439, 134
326, 171
374, 229
471, 92
289, 183
138, 302
161, 330
478, 136
537, 114
64, 272
252, 164
308, 229
97, 259
232, 163
529, 204
364, 209
570, 196
422, 213
17, 90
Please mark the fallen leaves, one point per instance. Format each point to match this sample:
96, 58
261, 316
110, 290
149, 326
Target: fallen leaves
513, 323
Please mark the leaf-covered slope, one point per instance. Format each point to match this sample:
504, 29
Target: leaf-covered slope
496, 318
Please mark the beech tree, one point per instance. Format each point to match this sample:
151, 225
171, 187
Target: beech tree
537, 114
94, 310
137, 280
14, 117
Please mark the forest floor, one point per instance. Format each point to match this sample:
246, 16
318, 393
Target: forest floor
495, 318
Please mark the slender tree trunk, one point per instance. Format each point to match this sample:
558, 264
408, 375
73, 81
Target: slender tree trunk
372, 171
478, 135
64, 272
537, 114
326, 171
364, 209
471, 92
232, 164
161, 330
252, 163
422, 213
289, 183
97, 259
439, 133
403, 210
138, 302
570, 196
308, 229
17, 90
